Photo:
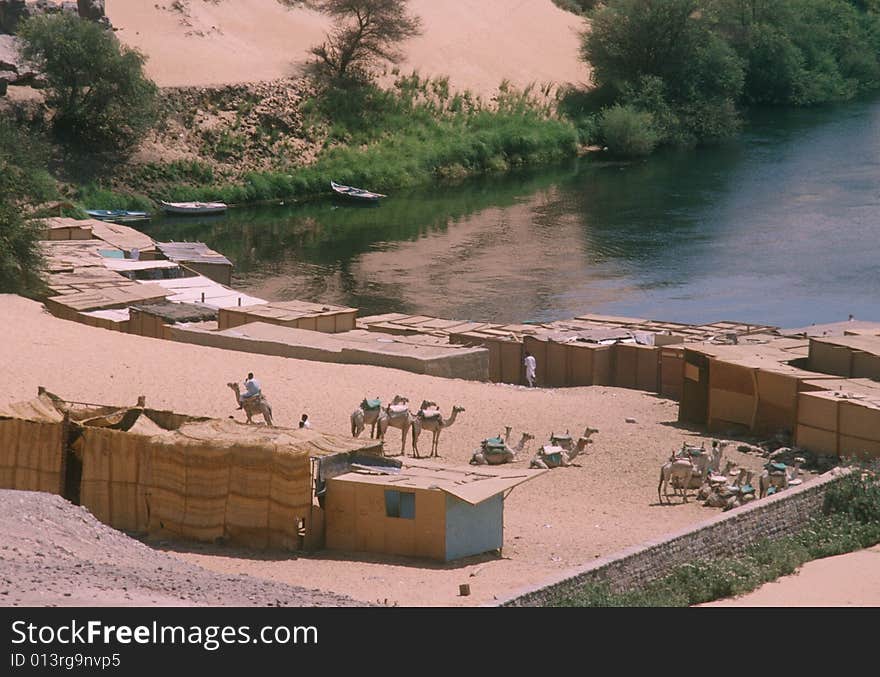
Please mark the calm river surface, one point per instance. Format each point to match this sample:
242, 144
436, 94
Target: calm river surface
781, 227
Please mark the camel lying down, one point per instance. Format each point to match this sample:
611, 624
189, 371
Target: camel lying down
561, 455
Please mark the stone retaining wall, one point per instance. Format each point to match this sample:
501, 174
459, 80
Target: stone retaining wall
774, 516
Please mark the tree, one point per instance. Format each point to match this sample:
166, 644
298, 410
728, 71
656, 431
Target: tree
101, 98
664, 57
23, 179
368, 32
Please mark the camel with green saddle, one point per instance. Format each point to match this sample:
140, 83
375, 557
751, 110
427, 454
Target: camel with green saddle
562, 450
496, 450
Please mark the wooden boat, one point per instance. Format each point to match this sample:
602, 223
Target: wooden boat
355, 193
117, 215
196, 208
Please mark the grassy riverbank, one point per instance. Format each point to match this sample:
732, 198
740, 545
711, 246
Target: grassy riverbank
413, 134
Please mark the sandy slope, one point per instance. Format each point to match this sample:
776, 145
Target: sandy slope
53, 553
478, 43
558, 521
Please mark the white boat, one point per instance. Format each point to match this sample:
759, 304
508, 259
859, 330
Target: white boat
194, 207
356, 193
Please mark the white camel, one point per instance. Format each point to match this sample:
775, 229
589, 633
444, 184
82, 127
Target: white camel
676, 472
396, 415
561, 454
432, 420
253, 405
794, 471
498, 454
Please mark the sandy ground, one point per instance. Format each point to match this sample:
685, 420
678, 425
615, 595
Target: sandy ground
845, 580
478, 43
558, 521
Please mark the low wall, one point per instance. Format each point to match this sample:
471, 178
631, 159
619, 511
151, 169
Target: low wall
772, 517
302, 344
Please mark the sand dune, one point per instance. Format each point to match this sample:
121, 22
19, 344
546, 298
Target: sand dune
477, 43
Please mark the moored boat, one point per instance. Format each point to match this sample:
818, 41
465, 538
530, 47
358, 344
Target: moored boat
355, 193
194, 207
117, 215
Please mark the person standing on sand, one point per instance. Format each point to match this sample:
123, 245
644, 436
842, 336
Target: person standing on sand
304, 421
531, 365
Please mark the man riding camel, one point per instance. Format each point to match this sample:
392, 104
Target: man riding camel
251, 389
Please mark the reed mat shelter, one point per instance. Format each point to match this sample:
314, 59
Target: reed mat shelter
165, 474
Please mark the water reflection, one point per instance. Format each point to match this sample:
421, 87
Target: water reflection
779, 227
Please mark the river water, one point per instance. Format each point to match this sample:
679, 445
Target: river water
780, 226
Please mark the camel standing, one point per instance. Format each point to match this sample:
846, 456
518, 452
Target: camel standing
678, 473
253, 405
363, 416
396, 415
433, 422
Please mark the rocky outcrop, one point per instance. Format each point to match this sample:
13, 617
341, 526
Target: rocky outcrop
12, 12
13, 70
91, 9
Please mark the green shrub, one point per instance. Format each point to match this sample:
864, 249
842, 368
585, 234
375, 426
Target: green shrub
856, 496
93, 196
628, 132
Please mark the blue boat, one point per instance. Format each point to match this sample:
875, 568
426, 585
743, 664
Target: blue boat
117, 215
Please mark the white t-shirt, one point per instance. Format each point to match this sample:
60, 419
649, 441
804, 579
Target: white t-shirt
530, 363
252, 386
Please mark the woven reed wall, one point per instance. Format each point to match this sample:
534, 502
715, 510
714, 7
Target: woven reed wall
32, 455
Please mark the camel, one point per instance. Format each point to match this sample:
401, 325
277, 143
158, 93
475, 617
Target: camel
676, 472
725, 495
561, 455
705, 463
365, 415
773, 479
427, 419
396, 415
493, 454
253, 405
794, 471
